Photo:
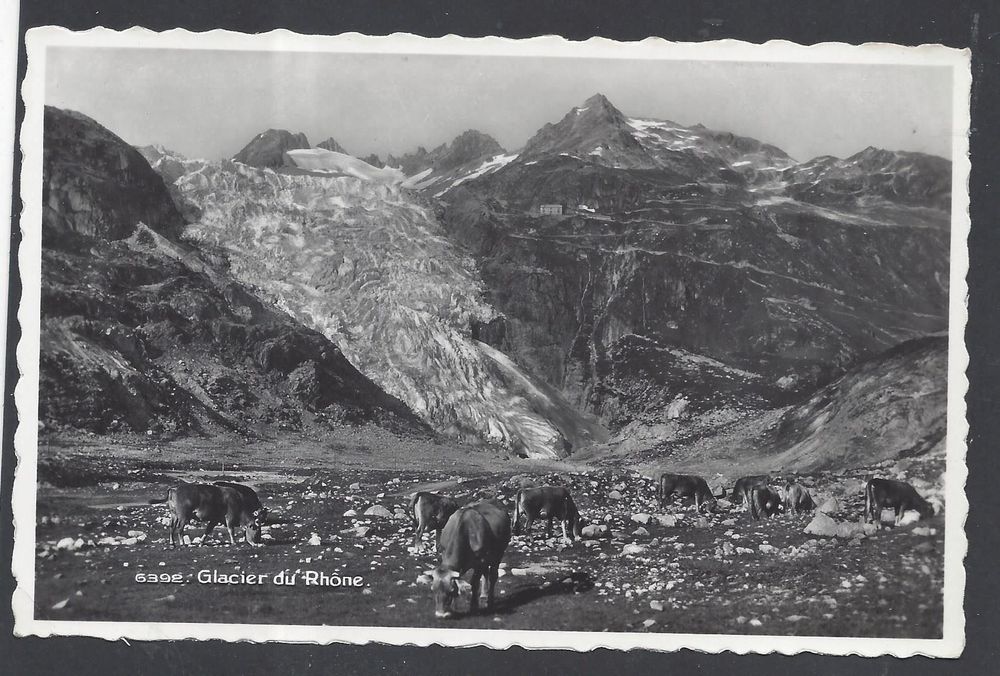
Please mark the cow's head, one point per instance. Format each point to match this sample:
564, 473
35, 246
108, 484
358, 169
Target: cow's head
445, 588
927, 509
256, 525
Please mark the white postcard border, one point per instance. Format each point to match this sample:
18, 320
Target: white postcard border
26, 392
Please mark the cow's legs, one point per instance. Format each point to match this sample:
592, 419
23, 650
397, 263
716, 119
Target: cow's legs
899, 515
181, 525
208, 530
171, 529
528, 520
494, 573
548, 529
232, 538
417, 535
565, 536
476, 580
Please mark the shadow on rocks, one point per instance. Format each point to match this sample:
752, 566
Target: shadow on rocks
565, 584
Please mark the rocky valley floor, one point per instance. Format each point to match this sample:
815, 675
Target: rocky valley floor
651, 569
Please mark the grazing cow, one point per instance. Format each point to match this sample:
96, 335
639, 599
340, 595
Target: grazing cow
475, 538
233, 505
797, 498
745, 485
430, 511
684, 486
764, 502
899, 495
547, 502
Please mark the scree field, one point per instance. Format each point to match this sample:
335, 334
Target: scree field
655, 569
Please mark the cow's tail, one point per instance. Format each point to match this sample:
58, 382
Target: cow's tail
413, 507
517, 513
574, 515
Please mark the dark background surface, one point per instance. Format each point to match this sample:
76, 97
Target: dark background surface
975, 25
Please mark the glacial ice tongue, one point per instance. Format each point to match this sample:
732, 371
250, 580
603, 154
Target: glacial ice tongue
354, 258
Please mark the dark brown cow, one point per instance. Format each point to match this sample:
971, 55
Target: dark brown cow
898, 495
745, 485
684, 486
764, 502
232, 505
475, 538
547, 502
430, 511
797, 498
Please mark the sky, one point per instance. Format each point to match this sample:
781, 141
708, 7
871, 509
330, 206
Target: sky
210, 103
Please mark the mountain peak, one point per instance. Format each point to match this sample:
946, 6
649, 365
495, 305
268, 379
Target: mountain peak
331, 144
596, 123
599, 100
267, 149
470, 146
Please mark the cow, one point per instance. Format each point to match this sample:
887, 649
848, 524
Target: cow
684, 485
233, 505
745, 485
430, 511
764, 502
547, 502
475, 538
797, 498
899, 495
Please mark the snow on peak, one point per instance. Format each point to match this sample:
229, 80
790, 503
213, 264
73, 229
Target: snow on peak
322, 160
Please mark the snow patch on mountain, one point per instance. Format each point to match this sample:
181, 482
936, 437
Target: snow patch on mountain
322, 160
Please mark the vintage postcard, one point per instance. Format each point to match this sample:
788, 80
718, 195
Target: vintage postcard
540, 343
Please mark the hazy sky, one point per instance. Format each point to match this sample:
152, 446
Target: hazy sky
211, 103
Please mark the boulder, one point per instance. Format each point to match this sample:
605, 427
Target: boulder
641, 518
631, 550
666, 520
825, 526
829, 506
594, 530
614, 495
378, 511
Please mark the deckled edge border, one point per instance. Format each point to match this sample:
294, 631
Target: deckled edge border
26, 392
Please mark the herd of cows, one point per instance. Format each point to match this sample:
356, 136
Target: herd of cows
474, 537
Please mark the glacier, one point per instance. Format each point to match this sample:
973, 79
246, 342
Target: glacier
357, 258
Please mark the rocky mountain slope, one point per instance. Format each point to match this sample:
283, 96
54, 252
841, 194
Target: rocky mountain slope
142, 333
910, 178
268, 148
889, 406
470, 154
693, 268
95, 185
362, 262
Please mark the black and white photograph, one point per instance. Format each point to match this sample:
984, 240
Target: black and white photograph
493, 342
